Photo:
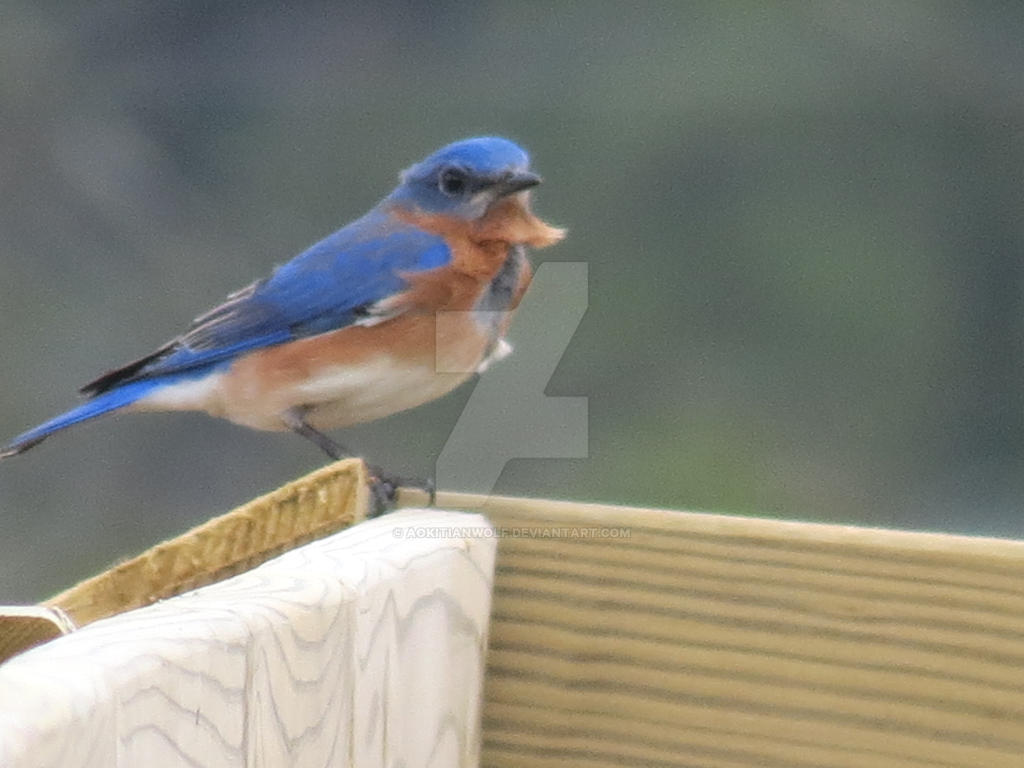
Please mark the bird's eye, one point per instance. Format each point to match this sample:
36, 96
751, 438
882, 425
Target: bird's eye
452, 181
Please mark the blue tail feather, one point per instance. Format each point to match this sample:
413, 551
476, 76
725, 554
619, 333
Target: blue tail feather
107, 402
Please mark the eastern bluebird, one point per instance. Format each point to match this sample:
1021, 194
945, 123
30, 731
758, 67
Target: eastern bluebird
391, 311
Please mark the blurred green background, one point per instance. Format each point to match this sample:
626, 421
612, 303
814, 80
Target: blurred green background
803, 223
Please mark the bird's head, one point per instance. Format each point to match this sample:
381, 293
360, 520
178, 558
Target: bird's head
466, 178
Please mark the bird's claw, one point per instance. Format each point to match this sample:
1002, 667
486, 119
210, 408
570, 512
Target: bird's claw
384, 490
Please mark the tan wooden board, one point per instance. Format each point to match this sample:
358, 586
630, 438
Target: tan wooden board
652, 638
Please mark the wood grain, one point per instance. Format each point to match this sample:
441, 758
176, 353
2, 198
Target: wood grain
365, 648
651, 638
313, 506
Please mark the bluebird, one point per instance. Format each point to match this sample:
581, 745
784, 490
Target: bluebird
393, 310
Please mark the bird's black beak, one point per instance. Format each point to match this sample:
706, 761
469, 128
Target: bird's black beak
516, 182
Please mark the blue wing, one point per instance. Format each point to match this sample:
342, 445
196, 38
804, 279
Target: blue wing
327, 287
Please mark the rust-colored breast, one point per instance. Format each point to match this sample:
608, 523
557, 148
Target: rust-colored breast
480, 247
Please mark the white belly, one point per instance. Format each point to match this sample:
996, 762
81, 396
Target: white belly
342, 395
335, 396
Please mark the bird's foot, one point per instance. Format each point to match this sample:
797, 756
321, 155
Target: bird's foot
384, 490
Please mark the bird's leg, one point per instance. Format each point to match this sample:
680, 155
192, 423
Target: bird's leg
383, 485
383, 492
295, 420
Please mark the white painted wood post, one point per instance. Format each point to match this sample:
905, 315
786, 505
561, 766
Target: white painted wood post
362, 649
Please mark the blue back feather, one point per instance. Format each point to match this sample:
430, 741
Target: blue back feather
319, 290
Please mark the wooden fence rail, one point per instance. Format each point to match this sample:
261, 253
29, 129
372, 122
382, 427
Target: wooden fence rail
617, 637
